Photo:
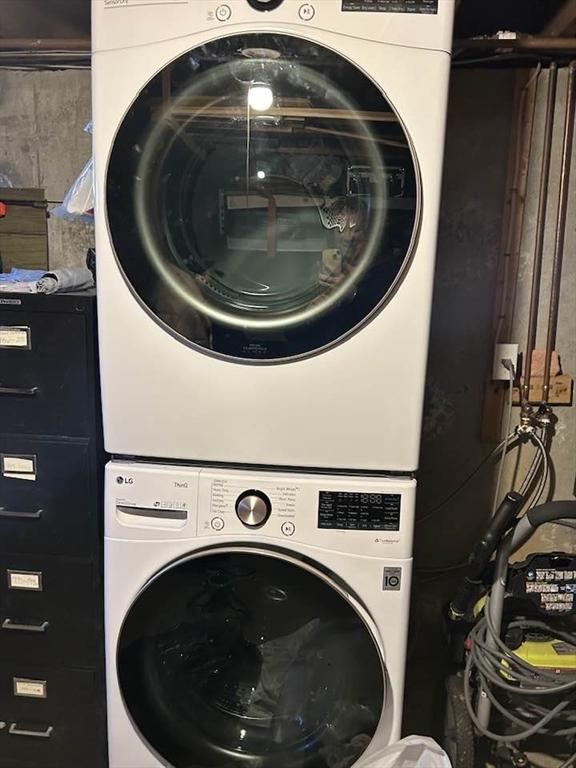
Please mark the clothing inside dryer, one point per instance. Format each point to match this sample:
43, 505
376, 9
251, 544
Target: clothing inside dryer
262, 197
244, 659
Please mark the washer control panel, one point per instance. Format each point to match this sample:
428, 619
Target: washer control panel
357, 511
253, 508
353, 514
372, 516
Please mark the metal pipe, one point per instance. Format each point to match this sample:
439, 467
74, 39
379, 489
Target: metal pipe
560, 228
540, 229
521, 193
513, 224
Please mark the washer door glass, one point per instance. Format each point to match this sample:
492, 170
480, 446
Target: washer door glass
262, 197
242, 658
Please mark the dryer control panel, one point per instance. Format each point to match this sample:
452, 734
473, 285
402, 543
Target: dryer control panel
346, 513
118, 25
391, 6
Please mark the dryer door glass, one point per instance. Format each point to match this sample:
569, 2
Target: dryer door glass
262, 197
243, 659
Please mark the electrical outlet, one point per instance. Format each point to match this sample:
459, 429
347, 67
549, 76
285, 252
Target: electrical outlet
504, 352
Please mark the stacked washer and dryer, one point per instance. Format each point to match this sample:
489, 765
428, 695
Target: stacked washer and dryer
268, 185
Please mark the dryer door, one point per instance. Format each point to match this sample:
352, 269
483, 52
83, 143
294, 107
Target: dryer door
262, 197
249, 658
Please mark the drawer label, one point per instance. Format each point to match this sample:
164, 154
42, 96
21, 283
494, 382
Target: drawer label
33, 689
18, 466
29, 580
14, 336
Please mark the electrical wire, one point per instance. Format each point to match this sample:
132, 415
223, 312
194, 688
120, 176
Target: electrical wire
510, 441
497, 669
540, 462
513, 439
545, 464
542, 458
511, 375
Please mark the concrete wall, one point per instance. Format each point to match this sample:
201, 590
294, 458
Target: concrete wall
43, 144
479, 120
477, 141
564, 441
461, 348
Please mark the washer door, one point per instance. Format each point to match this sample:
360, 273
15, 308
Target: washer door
248, 658
262, 197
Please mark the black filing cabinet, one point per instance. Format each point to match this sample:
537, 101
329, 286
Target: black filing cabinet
52, 697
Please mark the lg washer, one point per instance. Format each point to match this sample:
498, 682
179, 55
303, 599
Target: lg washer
268, 184
254, 619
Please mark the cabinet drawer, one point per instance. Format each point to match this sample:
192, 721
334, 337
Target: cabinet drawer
43, 373
47, 500
48, 610
52, 717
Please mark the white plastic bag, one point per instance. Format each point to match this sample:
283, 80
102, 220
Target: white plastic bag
79, 201
411, 752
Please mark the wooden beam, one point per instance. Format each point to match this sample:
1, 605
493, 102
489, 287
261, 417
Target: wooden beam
68, 44
519, 43
185, 111
564, 22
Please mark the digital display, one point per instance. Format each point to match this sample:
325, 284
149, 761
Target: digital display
391, 6
345, 511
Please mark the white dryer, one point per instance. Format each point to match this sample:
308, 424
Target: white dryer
268, 183
254, 619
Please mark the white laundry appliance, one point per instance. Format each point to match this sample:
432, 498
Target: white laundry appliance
254, 619
268, 184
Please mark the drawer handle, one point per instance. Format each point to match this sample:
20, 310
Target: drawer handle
19, 391
45, 733
21, 514
17, 626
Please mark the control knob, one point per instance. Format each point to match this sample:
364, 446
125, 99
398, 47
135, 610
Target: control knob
253, 508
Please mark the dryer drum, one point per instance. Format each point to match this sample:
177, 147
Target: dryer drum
244, 658
262, 205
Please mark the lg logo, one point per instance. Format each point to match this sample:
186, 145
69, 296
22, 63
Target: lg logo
125, 480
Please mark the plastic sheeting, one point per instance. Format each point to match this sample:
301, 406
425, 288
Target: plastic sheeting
411, 752
79, 201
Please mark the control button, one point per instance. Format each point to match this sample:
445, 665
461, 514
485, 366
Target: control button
217, 523
265, 5
223, 12
307, 12
253, 508
288, 528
